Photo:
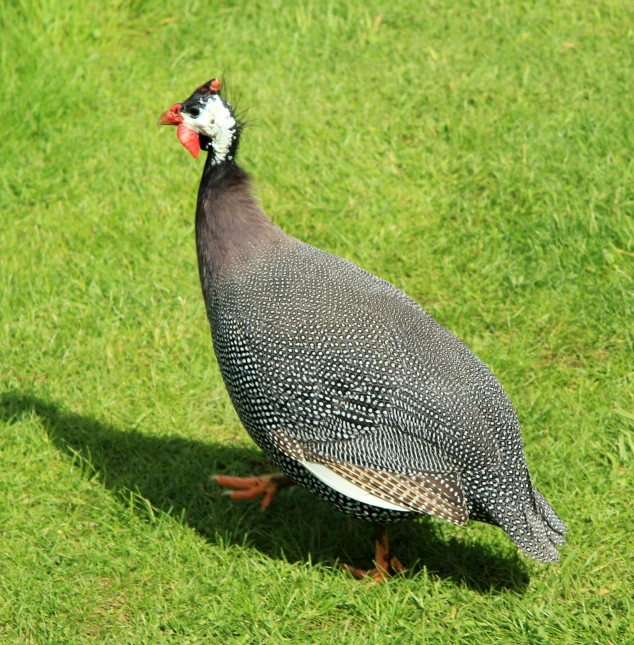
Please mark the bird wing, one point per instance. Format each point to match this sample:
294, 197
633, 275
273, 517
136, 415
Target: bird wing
360, 418
362, 381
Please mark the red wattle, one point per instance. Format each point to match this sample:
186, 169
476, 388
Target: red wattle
189, 139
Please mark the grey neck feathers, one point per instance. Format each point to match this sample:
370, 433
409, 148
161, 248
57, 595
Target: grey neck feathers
230, 226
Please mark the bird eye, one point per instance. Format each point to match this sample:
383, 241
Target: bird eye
194, 112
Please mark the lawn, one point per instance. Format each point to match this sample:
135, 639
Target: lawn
479, 155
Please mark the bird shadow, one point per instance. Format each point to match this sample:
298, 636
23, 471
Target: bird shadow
173, 474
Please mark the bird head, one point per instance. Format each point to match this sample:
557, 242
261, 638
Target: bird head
205, 120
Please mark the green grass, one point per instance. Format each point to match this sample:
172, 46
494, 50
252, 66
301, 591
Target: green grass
478, 154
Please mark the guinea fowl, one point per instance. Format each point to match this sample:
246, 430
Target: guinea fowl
349, 387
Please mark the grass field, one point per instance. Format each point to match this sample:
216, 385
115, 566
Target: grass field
479, 155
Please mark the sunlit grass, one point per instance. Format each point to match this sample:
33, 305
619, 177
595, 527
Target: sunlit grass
476, 154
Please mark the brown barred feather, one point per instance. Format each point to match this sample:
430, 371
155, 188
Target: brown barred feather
437, 494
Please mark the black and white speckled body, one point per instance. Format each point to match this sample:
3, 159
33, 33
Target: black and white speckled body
327, 364
342, 362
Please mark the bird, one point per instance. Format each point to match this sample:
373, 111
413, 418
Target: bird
348, 385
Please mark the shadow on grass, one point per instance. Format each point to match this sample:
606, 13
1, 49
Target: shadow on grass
173, 474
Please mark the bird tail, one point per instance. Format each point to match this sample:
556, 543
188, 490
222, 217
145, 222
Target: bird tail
542, 531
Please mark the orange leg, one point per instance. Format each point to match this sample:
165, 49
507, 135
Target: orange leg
252, 487
386, 563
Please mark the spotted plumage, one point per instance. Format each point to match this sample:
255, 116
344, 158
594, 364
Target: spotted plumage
349, 386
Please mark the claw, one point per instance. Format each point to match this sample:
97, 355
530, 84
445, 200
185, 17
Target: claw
386, 563
252, 487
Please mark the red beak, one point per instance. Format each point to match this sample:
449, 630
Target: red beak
171, 116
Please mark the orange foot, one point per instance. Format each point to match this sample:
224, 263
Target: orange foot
386, 563
252, 487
